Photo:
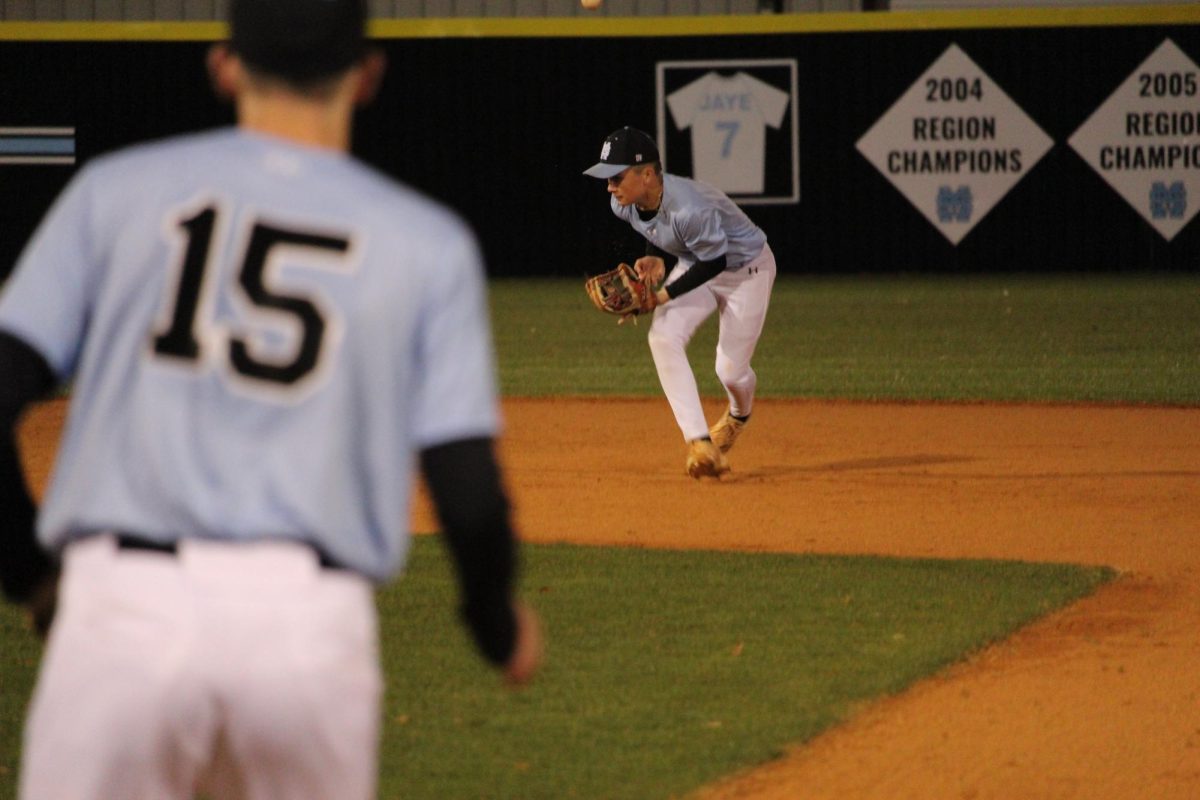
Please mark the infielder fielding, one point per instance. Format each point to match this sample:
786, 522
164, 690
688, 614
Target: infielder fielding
260, 333
723, 264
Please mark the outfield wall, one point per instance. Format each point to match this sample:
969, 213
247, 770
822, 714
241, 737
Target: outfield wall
1001, 140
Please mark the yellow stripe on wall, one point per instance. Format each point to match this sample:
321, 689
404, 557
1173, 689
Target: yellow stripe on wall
111, 31
723, 25
791, 23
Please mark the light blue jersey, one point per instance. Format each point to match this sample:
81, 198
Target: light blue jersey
696, 222
259, 335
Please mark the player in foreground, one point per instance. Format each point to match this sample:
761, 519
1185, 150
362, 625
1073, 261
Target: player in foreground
723, 264
260, 332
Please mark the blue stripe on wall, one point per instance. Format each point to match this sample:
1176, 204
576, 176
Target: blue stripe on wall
36, 145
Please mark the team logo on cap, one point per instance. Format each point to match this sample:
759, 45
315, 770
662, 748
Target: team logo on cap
605, 150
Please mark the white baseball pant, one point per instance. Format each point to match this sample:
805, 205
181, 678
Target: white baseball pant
244, 670
740, 297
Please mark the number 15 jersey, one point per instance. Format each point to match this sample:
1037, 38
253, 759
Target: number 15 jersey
259, 337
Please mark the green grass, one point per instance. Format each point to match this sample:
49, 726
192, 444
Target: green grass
670, 669
666, 669
19, 654
1065, 338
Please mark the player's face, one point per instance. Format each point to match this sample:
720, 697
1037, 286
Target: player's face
628, 186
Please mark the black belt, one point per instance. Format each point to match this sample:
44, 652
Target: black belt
126, 541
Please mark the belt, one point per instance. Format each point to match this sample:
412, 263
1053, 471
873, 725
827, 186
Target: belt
127, 541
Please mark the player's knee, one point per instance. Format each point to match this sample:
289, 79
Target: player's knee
733, 374
663, 343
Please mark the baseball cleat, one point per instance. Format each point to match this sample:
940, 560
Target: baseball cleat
727, 430
705, 459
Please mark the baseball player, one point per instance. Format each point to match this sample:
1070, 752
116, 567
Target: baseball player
260, 333
723, 264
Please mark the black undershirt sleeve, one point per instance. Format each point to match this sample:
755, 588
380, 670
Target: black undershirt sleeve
654, 250
464, 482
26, 378
701, 272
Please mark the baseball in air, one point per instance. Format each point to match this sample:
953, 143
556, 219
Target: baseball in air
591, 5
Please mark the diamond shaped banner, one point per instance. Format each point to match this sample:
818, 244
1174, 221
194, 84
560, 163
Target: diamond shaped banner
954, 144
1145, 139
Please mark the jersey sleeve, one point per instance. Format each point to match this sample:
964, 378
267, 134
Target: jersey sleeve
456, 395
770, 101
616, 209
685, 103
703, 234
45, 301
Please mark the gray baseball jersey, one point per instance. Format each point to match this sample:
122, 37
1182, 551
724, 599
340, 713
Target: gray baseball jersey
697, 222
259, 336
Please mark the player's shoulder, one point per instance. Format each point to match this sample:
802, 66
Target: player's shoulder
686, 195
112, 180
230, 156
392, 208
682, 185
155, 167
155, 150
625, 213
404, 224
419, 208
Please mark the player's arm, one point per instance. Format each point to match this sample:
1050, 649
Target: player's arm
699, 274
455, 417
703, 235
27, 573
464, 482
652, 267
654, 251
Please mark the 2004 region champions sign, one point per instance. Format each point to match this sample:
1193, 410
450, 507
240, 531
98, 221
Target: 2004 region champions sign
954, 144
1145, 139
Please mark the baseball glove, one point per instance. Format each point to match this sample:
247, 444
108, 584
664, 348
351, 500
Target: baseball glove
619, 291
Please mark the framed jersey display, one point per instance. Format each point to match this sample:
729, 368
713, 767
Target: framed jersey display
733, 124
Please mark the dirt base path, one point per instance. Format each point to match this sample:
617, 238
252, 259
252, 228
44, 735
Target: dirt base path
1099, 701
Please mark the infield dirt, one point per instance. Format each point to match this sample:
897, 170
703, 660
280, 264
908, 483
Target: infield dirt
1100, 700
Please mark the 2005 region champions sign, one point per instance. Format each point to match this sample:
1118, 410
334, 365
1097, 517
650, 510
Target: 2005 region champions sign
1145, 139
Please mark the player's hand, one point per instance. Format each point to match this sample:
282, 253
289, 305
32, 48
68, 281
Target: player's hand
527, 655
651, 269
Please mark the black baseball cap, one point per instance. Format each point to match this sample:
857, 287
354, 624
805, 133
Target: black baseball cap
298, 40
622, 149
